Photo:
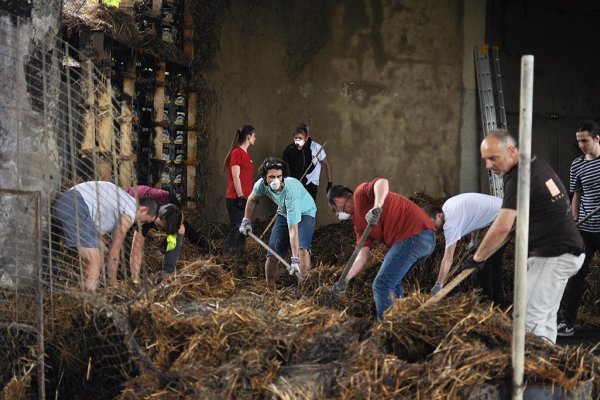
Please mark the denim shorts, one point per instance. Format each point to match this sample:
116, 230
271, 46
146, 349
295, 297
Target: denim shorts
72, 213
280, 236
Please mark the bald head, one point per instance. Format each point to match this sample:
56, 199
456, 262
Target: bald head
499, 152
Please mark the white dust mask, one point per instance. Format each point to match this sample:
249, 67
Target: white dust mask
299, 142
343, 215
275, 184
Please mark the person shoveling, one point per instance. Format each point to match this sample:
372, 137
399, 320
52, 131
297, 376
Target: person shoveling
392, 219
295, 222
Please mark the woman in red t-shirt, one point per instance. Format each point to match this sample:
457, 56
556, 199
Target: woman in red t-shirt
240, 179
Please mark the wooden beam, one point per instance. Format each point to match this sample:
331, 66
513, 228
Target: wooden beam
106, 130
156, 8
159, 109
89, 116
192, 146
188, 30
126, 125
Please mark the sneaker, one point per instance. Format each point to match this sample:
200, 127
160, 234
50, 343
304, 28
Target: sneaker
565, 330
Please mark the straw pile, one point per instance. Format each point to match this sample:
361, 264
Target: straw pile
119, 25
214, 330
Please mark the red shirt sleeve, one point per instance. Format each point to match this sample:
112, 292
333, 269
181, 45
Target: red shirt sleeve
235, 158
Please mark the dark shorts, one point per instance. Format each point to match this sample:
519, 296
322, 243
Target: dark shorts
280, 236
74, 216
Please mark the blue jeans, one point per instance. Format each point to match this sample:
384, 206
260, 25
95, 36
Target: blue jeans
398, 261
280, 235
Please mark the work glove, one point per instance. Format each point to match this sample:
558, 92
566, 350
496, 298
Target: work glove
470, 263
373, 215
241, 202
246, 226
295, 267
339, 289
436, 288
471, 247
171, 242
329, 185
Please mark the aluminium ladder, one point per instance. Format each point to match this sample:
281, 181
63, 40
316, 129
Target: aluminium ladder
491, 100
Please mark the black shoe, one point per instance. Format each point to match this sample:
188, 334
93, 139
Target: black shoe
564, 330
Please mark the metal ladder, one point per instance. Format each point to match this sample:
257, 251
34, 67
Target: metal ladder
491, 100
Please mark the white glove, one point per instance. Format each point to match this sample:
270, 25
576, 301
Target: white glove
295, 267
245, 226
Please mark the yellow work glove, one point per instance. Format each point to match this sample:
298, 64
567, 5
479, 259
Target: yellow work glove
171, 241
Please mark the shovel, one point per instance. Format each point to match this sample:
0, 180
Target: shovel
352, 258
281, 259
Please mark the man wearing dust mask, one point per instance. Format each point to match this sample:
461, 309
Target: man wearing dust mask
295, 222
397, 222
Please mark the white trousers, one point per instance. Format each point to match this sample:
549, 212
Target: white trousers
546, 281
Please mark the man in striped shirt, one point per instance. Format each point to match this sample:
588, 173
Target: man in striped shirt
584, 183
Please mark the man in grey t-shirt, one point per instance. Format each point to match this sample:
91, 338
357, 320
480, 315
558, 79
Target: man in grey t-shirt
95, 208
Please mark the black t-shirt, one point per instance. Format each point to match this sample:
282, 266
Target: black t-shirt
552, 230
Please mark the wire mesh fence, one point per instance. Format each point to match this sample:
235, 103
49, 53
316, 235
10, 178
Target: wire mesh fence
66, 127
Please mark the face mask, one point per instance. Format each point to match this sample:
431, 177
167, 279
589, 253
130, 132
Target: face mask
299, 142
275, 184
343, 216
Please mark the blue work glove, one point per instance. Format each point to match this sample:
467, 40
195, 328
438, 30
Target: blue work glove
373, 215
470, 263
339, 289
436, 288
471, 247
245, 226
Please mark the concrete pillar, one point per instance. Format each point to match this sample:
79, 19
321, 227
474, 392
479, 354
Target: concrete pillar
29, 158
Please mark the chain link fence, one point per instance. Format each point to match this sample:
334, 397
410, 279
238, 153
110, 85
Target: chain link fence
56, 339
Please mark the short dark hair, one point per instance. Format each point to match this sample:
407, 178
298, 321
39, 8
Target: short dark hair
171, 215
432, 211
151, 204
337, 191
273, 163
589, 126
302, 128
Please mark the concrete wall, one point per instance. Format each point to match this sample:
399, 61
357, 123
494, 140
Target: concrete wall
380, 81
28, 149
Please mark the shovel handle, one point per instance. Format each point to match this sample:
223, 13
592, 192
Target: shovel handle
269, 249
359, 246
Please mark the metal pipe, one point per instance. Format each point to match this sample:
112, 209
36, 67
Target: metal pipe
522, 235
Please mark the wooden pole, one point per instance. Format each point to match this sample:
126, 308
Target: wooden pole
192, 145
89, 116
522, 236
106, 130
126, 125
159, 109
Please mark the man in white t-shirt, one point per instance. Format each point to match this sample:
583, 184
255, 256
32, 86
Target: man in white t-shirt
465, 214
95, 208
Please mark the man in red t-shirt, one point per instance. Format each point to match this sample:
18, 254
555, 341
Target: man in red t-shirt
398, 223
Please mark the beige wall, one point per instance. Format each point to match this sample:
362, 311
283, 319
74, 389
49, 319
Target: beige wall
380, 81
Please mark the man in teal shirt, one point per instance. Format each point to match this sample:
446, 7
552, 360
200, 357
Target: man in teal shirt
295, 222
